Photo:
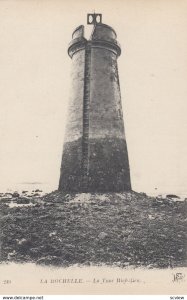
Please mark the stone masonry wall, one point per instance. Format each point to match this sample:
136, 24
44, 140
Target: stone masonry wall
105, 100
74, 121
70, 178
108, 156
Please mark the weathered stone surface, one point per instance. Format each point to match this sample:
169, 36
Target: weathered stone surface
71, 173
108, 165
74, 125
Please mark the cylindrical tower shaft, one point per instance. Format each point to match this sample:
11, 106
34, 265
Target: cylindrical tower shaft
95, 157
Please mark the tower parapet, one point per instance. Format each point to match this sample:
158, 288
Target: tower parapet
103, 36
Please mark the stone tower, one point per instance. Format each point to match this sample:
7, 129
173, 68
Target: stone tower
95, 157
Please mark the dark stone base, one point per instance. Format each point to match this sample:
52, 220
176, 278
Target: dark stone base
108, 166
71, 173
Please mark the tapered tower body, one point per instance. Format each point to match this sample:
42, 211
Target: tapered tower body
95, 157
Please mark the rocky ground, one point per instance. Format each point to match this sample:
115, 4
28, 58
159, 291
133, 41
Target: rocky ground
114, 229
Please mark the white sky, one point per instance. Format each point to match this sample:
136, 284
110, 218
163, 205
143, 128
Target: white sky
34, 87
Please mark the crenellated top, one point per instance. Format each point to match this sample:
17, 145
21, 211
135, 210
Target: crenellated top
103, 36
